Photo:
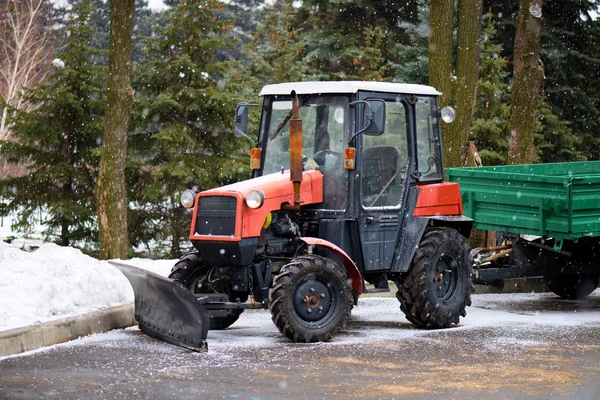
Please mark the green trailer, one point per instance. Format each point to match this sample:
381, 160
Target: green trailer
547, 220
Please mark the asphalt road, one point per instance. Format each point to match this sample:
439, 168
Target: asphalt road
509, 346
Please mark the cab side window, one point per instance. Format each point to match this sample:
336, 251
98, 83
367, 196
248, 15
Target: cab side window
384, 161
429, 158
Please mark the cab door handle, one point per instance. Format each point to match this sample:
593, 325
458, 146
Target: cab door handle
370, 220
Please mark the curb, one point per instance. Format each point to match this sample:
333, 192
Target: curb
32, 337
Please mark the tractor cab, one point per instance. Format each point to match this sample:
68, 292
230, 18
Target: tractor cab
372, 142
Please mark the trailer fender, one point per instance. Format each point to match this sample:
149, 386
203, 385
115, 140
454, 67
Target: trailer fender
351, 268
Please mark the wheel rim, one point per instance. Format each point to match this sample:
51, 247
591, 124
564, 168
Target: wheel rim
315, 300
197, 283
446, 277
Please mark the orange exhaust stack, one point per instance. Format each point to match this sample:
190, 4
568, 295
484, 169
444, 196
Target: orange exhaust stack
296, 150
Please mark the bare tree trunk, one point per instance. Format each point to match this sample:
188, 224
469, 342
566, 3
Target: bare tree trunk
26, 45
441, 48
111, 193
527, 82
457, 82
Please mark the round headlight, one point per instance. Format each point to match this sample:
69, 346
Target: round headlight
255, 199
187, 198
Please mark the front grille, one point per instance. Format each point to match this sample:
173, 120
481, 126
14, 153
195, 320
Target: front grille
216, 216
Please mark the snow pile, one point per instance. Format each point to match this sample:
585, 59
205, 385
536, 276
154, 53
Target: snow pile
55, 282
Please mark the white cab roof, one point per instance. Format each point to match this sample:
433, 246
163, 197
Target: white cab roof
346, 87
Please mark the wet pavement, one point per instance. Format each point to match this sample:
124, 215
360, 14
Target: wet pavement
509, 346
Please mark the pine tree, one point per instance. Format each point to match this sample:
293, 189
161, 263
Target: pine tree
554, 139
355, 39
276, 52
99, 23
489, 128
333, 40
570, 38
57, 142
410, 61
569, 50
183, 119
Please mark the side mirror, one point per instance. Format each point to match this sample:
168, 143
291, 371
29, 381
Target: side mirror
374, 117
241, 121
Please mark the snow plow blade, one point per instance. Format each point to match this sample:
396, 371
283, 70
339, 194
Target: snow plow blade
166, 310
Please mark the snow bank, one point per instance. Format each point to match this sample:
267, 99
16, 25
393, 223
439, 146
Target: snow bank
56, 282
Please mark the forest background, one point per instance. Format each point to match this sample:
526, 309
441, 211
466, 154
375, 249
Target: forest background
194, 60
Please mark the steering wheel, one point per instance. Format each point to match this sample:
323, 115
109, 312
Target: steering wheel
319, 156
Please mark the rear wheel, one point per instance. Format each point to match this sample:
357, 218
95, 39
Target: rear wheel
311, 299
192, 273
573, 286
437, 289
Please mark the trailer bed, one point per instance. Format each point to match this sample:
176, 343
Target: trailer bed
560, 200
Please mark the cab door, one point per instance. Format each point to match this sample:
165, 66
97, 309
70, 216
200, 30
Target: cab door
382, 186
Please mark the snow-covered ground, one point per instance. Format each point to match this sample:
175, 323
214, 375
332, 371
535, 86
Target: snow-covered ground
55, 282
375, 319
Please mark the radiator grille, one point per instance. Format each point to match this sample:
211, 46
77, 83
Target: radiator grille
216, 216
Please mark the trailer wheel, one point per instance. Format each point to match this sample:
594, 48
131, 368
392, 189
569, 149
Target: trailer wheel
311, 299
573, 286
192, 273
438, 287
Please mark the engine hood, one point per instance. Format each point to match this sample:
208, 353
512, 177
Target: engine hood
245, 222
277, 186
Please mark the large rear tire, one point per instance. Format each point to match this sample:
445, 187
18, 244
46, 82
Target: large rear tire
194, 274
573, 286
311, 299
438, 287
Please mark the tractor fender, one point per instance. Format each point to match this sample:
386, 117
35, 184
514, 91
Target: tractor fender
413, 233
353, 271
414, 226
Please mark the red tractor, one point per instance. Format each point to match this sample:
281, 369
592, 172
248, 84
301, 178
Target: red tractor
348, 186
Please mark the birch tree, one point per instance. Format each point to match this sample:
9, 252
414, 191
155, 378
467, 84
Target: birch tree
26, 48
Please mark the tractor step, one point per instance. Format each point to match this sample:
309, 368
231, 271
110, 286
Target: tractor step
166, 309
376, 290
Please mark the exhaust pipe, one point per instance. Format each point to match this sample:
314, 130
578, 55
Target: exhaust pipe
295, 151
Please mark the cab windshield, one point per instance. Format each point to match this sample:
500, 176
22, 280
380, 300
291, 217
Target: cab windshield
325, 124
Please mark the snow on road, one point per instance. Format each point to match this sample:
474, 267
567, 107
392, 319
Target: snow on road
376, 319
55, 282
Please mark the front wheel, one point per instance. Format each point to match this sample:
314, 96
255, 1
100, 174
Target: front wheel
195, 275
438, 287
311, 299
573, 286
